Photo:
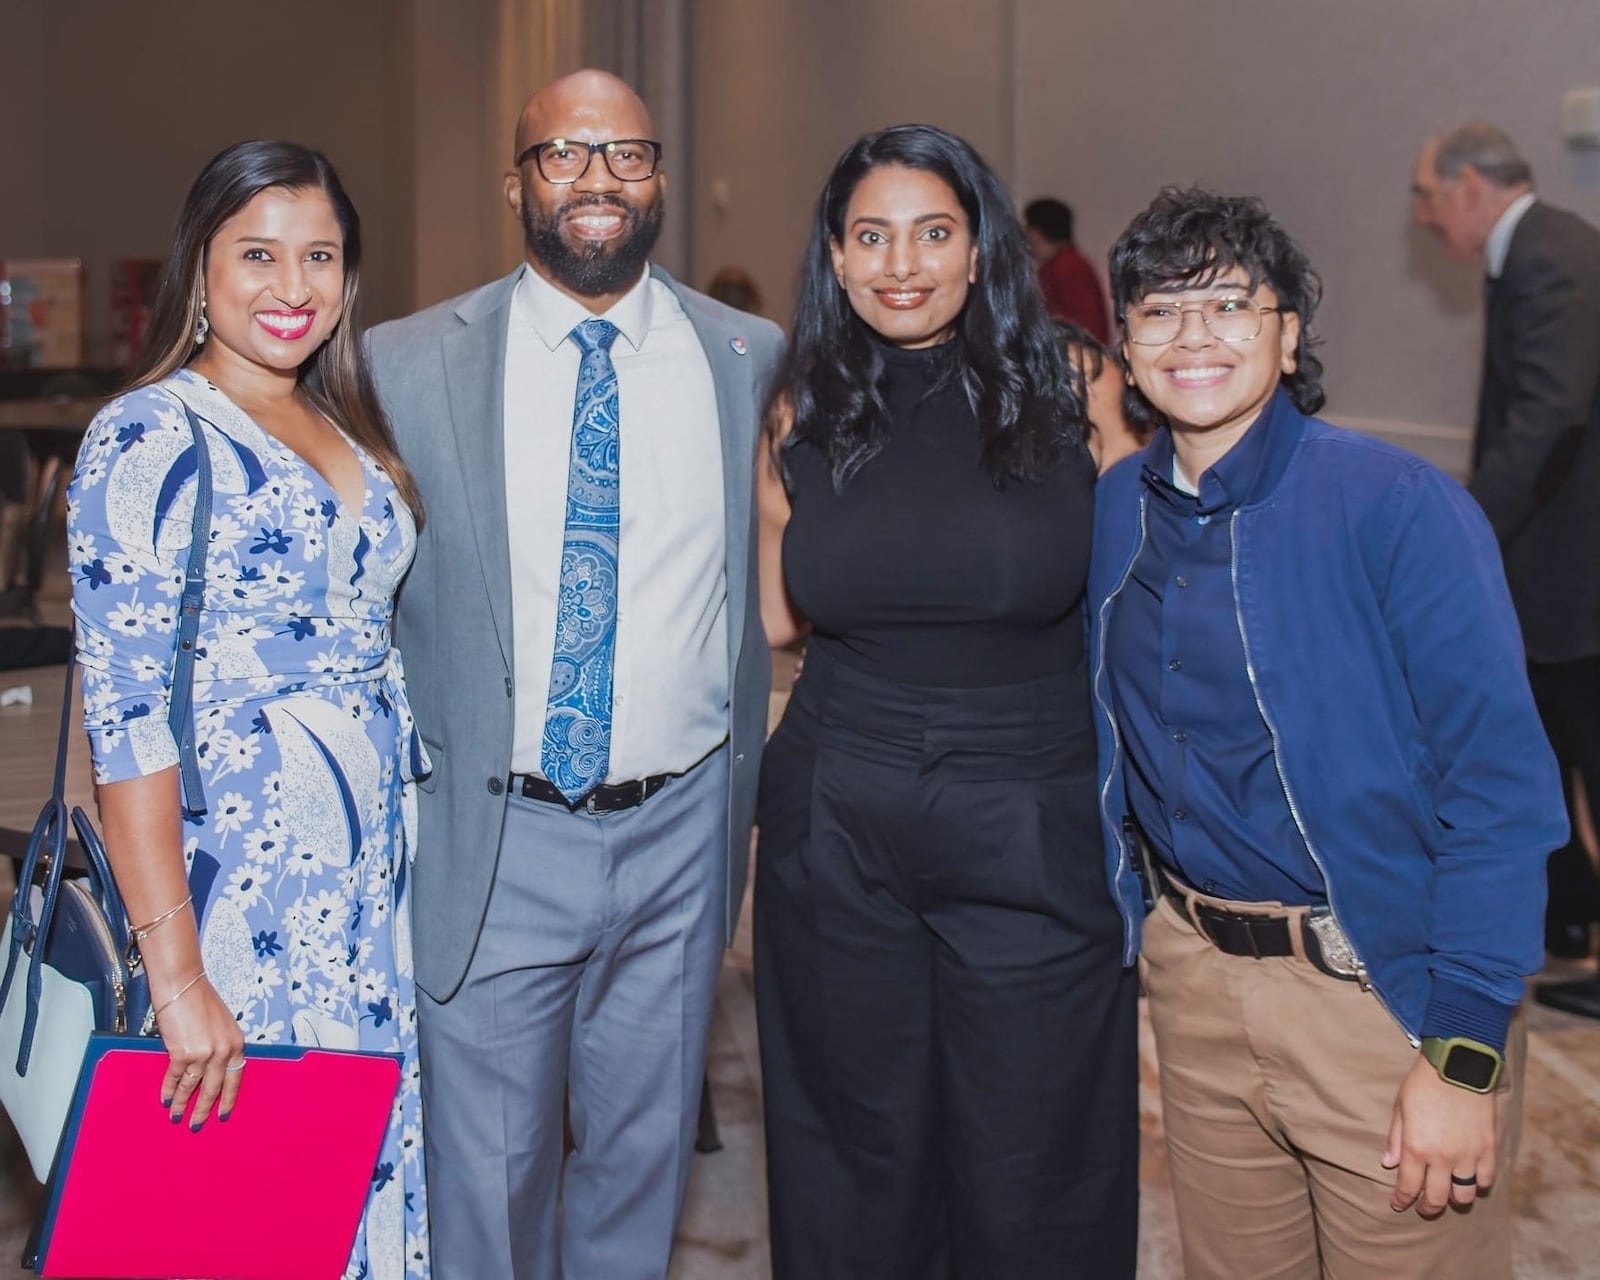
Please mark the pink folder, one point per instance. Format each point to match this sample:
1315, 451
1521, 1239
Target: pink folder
275, 1193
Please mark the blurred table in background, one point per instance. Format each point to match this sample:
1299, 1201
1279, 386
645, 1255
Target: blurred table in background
28, 757
43, 414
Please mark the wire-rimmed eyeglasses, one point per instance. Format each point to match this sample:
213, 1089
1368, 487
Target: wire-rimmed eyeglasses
1155, 324
564, 160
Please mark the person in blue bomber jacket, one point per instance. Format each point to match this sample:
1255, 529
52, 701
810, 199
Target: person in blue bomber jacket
1321, 774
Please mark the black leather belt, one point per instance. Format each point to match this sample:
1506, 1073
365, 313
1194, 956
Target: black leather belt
1258, 934
612, 798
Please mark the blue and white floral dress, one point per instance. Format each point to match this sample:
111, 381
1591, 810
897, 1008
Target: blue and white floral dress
306, 745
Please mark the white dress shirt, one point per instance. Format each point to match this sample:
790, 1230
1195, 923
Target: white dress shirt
670, 691
1499, 242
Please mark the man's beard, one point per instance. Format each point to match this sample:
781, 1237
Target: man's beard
592, 270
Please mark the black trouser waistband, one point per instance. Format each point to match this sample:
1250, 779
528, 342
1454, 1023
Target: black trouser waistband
606, 798
609, 798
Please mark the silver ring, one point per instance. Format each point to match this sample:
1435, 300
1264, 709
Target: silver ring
234, 1066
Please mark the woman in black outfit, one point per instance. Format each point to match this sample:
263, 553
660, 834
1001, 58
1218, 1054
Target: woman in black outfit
947, 1028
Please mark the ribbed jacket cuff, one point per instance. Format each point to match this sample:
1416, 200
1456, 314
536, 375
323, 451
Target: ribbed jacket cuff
1458, 1010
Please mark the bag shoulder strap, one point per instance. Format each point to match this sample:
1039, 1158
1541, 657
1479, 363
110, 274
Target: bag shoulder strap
47, 842
181, 700
180, 708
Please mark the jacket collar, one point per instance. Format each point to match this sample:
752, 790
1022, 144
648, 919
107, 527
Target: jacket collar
1505, 227
1247, 475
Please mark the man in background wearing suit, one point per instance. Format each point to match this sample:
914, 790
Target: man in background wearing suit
588, 670
1536, 462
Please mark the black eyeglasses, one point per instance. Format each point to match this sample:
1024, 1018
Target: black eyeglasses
564, 160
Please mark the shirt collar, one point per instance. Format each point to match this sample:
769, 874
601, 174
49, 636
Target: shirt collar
552, 315
1231, 482
1499, 242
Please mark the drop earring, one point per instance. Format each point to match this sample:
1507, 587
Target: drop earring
203, 328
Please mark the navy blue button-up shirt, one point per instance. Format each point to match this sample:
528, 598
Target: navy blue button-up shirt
1201, 778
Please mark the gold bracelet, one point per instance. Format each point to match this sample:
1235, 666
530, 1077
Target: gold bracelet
142, 931
173, 999
132, 955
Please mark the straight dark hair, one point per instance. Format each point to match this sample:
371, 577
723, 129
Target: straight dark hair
1005, 354
338, 377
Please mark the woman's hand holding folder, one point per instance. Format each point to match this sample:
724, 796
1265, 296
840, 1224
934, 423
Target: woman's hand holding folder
144, 842
205, 1051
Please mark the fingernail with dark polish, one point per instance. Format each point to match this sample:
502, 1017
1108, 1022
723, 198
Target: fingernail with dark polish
222, 1118
195, 1128
178, 1119
166, 1104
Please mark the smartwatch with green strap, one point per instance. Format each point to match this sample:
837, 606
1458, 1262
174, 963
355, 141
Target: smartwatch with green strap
1467, 1064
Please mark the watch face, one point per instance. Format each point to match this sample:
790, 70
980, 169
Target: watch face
1469, 1067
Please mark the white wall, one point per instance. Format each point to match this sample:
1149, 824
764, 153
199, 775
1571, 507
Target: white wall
22, 213
780, 89
1317, 107
457, 207
136, 98
113, 108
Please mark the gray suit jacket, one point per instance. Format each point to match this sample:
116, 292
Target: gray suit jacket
1536, 458
441, 376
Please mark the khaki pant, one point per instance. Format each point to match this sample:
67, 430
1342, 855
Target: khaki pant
1277, 1086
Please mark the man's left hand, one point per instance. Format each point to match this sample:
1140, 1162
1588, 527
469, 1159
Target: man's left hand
1441, 1135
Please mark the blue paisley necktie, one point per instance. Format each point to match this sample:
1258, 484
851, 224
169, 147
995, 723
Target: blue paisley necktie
577, 724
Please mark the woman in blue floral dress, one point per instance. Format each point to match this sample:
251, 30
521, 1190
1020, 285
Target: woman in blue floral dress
280, 914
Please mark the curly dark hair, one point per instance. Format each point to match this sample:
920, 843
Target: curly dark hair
1006, 356
1186, 239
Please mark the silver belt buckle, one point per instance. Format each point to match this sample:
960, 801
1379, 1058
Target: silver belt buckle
1337, 953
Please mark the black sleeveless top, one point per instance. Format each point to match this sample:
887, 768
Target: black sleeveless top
923, 571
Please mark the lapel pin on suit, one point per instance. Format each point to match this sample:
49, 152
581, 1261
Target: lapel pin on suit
738, 345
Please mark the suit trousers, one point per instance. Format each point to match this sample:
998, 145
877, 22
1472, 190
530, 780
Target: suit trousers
1277, 1087
592, 982
1568, 697
948, 1036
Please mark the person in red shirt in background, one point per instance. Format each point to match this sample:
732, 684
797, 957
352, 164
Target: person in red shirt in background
1071, 289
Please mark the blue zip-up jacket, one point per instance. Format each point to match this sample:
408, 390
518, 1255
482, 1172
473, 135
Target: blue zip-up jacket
1386, 661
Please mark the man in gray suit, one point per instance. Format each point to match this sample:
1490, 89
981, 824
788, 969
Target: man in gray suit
588, 670
1536, 461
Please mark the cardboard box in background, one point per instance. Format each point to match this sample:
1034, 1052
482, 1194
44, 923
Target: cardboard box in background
41, 313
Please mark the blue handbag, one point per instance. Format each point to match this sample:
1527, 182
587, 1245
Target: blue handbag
69, 969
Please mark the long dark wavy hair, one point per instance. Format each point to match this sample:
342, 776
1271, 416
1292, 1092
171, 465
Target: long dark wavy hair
1006, 355
337, 377
1186, 239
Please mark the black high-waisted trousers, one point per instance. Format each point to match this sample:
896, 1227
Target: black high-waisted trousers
948, 1036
